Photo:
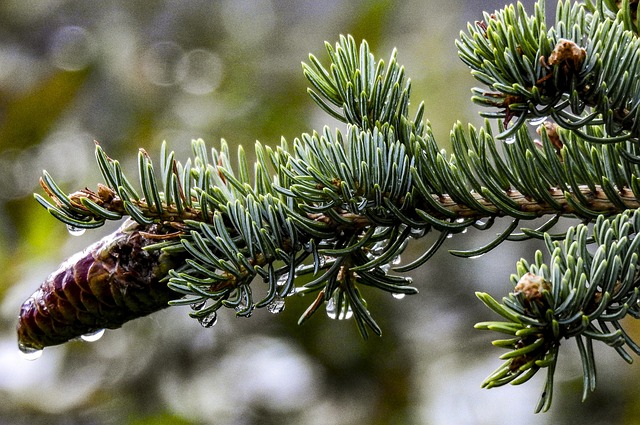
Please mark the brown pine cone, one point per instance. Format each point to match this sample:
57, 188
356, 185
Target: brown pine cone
109, 283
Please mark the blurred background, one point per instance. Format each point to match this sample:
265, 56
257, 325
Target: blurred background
132, 74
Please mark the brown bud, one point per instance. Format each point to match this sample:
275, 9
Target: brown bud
568, 55
531, 286
552, 132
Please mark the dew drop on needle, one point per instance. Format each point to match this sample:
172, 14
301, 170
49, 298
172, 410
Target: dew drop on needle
537, 121
331, 309
208, 320
75, 231
276, 306
198, 305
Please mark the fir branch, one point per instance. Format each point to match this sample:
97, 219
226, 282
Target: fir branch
627, 10
357, 90
581, 71
338, 209
581, 292
351, 199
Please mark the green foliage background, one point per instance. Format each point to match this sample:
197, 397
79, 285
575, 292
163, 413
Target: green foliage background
132, 74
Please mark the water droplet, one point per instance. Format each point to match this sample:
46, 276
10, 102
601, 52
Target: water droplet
510, 140
338, 313
346, 314
450, 235
416, 233
464, 230
331, 309
398, 296
198, 305
282, 280
276, 306
396, 260
93, 336
378, 248
29, 353
295, 291
537, 121
241, 307
480, 223
75, 231
209, 320
385, 267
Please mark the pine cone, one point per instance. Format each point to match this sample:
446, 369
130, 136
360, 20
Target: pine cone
109, 283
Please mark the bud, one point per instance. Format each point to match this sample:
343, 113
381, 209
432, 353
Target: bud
531, 286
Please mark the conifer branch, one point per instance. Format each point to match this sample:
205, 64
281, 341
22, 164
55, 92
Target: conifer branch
331, 213
584, 61
582, 292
